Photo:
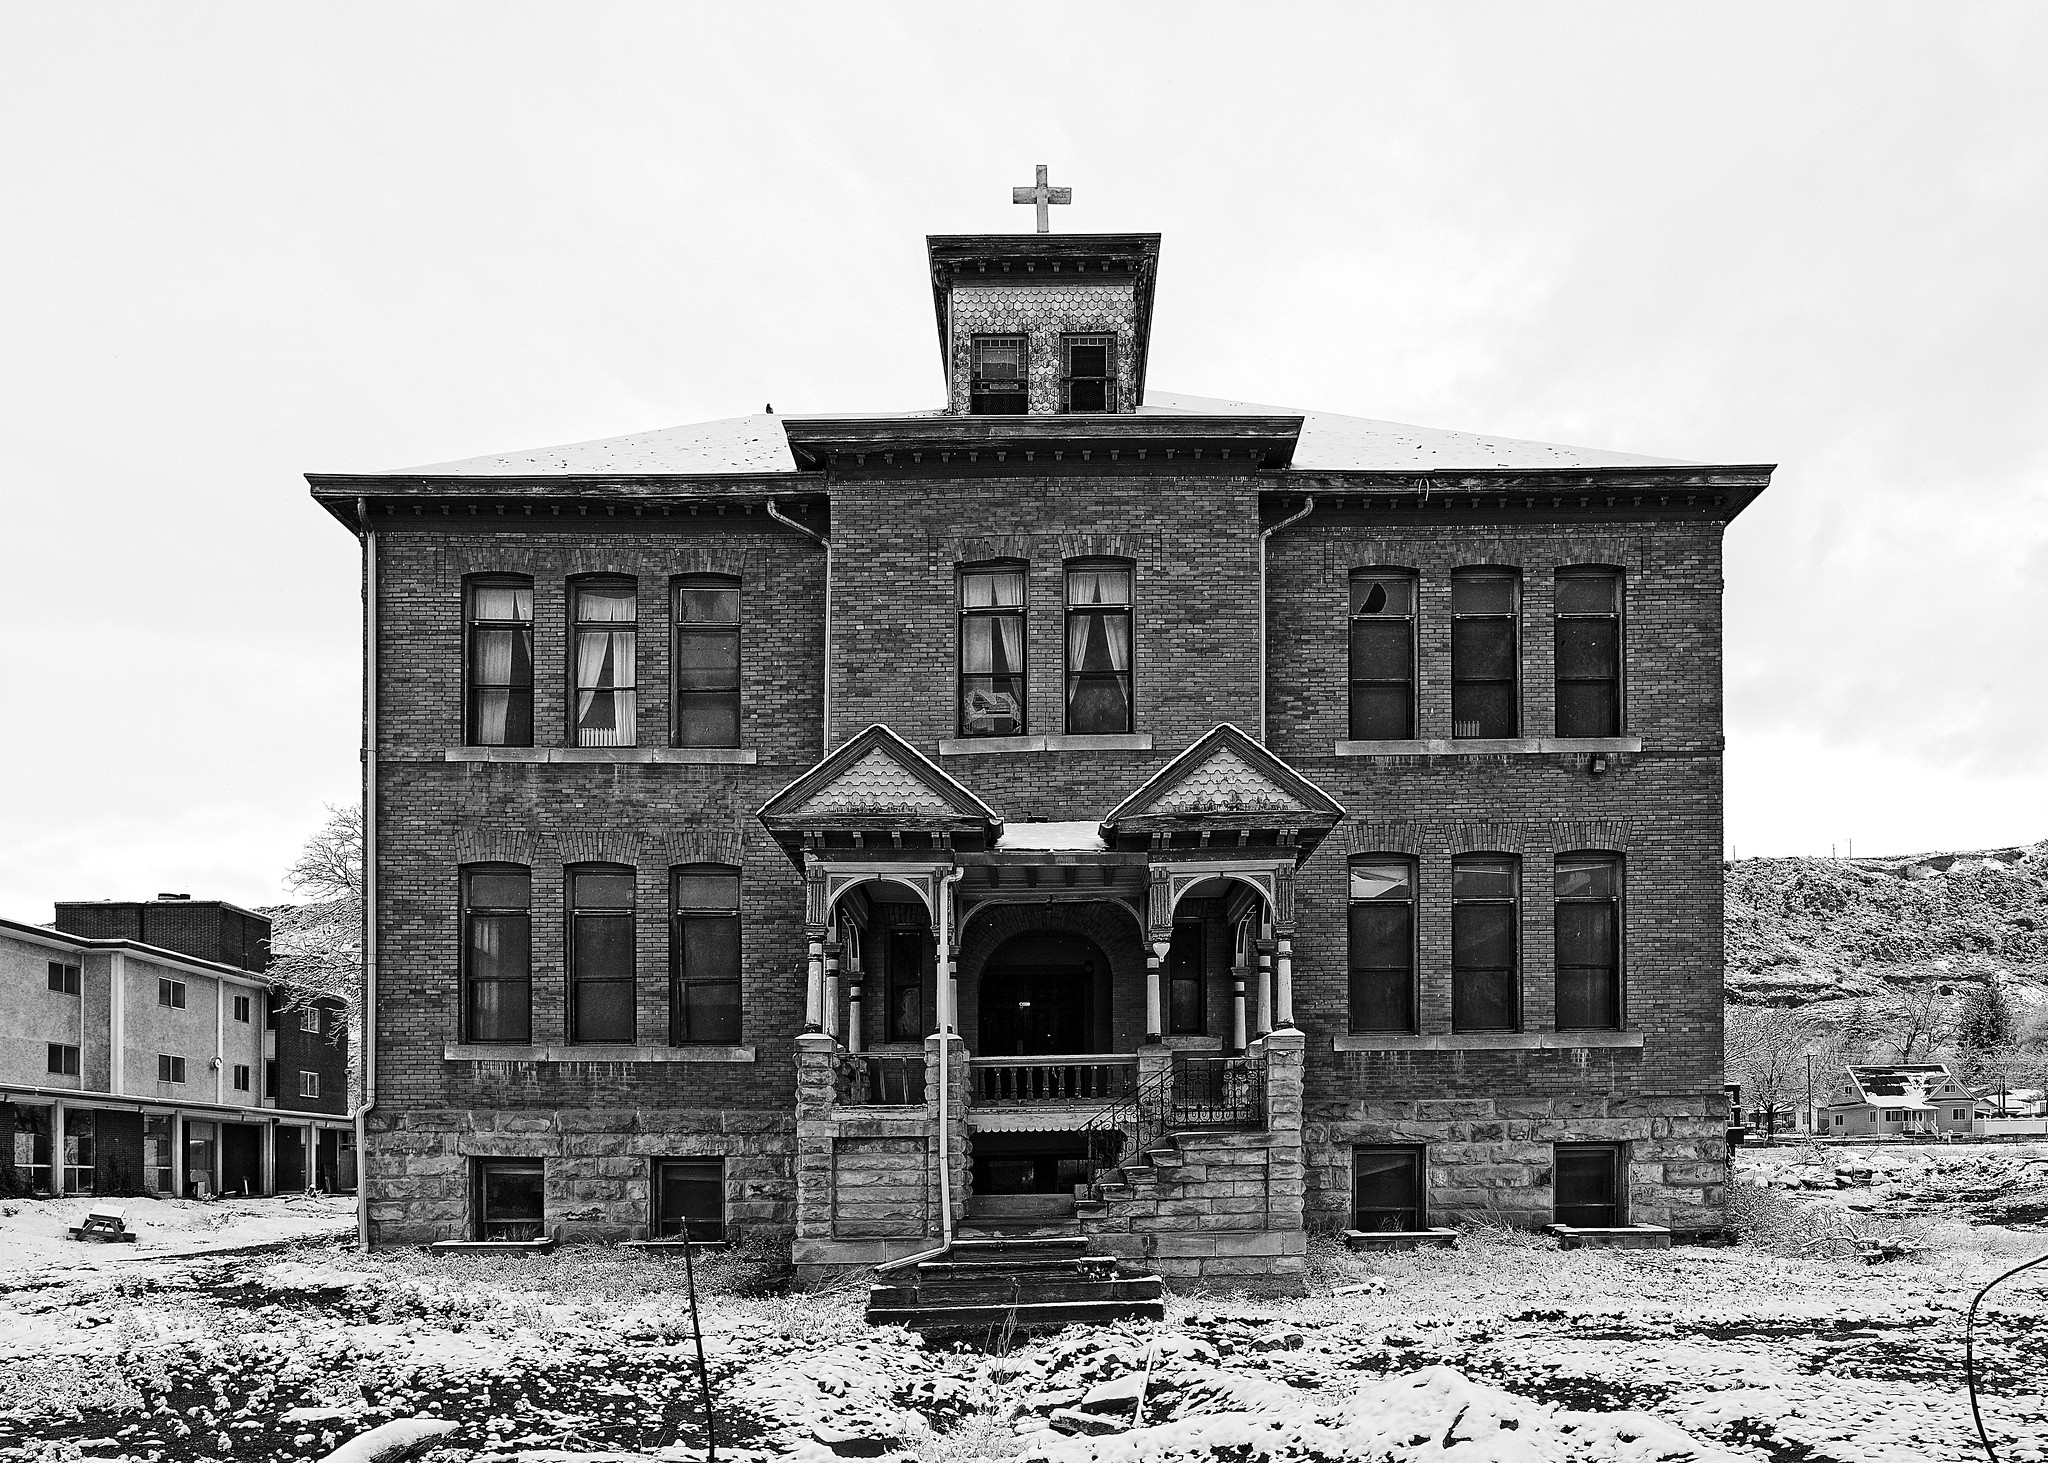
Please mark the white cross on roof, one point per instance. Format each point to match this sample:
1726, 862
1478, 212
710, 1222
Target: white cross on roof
1042, 193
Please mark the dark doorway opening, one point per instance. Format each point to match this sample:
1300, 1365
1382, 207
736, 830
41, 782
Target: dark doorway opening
1043, 994
1588, 1185
1029, 1163
241, 1159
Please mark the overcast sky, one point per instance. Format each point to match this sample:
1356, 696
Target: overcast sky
238, 243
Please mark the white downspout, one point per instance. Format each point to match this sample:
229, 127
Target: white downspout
369, 936
1308, 506
825, 738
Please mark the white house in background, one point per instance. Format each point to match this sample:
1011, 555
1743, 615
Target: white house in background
1891, 1102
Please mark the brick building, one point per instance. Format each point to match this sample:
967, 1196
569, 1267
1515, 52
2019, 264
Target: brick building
141, 1052
845, 830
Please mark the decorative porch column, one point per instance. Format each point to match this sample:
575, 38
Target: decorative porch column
1155, 957
1283, 980
1237, 1033
856, 1039
831, 999
1265, 992
814, 989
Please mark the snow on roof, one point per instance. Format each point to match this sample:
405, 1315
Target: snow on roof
1904, 1087
756, 444
1334, 443
1082, 837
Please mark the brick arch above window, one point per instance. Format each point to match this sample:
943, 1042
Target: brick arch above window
709, 845
1133, 547
1591, 835
710, 559
1484, 837
1391, 837
477, 844
480, 560
599, 846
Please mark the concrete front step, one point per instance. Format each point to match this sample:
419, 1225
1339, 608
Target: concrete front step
1032, 1316
998, 1248
1052, 1268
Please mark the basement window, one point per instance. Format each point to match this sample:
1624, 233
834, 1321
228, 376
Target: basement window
510, 1198
1386, 1189
689, 1198
1587, 1179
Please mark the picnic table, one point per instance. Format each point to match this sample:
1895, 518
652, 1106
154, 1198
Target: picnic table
106, 1225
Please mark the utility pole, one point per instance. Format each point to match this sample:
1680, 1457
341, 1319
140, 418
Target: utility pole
1809, 1092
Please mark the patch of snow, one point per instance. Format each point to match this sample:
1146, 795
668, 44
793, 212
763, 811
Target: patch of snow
1084, 836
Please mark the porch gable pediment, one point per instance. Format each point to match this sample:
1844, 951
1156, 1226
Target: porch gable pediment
876, 782
1226, 779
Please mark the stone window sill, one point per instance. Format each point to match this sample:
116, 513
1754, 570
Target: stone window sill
1117, 742
1488, 1041
1489, 746
726, 756
594, 1052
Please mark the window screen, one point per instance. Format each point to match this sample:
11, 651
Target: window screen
500, 700
1387, 1189
707, 661
1485, 657
1485, 920
992, 651
603, 662
1098, 648
689, 1198
704, 954
1588, 941
601, 953
1382, 919
1588, 653
1382, 656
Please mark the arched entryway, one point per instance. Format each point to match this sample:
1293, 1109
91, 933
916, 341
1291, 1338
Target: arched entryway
1043, 992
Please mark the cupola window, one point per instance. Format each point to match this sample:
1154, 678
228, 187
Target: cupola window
1002, 377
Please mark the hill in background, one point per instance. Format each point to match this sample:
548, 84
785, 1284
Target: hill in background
1806, 930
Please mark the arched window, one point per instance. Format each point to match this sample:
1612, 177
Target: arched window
704, 954
1485, 935
1588, 941
601, 953
706, 661
498, 709
1588, 642
1486, 697
603, 658
1382, 938
497, 953
992, 650
1098, 648
1382, 655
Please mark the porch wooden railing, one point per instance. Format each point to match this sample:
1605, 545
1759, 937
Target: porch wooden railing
1003, 1080
879, 1079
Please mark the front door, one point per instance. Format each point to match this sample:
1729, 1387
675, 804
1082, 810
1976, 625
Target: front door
1034, 1010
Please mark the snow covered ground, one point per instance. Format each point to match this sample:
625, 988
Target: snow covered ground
34, 1238
1503, 1349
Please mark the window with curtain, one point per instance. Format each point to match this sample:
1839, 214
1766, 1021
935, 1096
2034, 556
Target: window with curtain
1588, 941
604, 650
1485, 655
497, 953
1088, 377
992, 651
707, 661
1000, 383
1098, 648
601, 953
1382, 918
1186, 987
1387, 1191
1485, 921
704, 954
1382, 655
500, 698
1588, 642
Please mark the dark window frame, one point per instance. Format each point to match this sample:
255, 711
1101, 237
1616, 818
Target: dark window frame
63, 1059
1014, 393
706, 630
1355, 971
900, 980
1616, 1014
1020, 675
508, 1228
1416, 1155
1604, 1215
1463, 984
1128, 676
578, 587
1069, 379
64, 978
242, 1077
1618, 724
1357, 683
1196, 930
243, 1008
170, 1068
309, 1083
170, 993
574, 917
471, 910
699, 1231
681, 982
1470, 623
472, 687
